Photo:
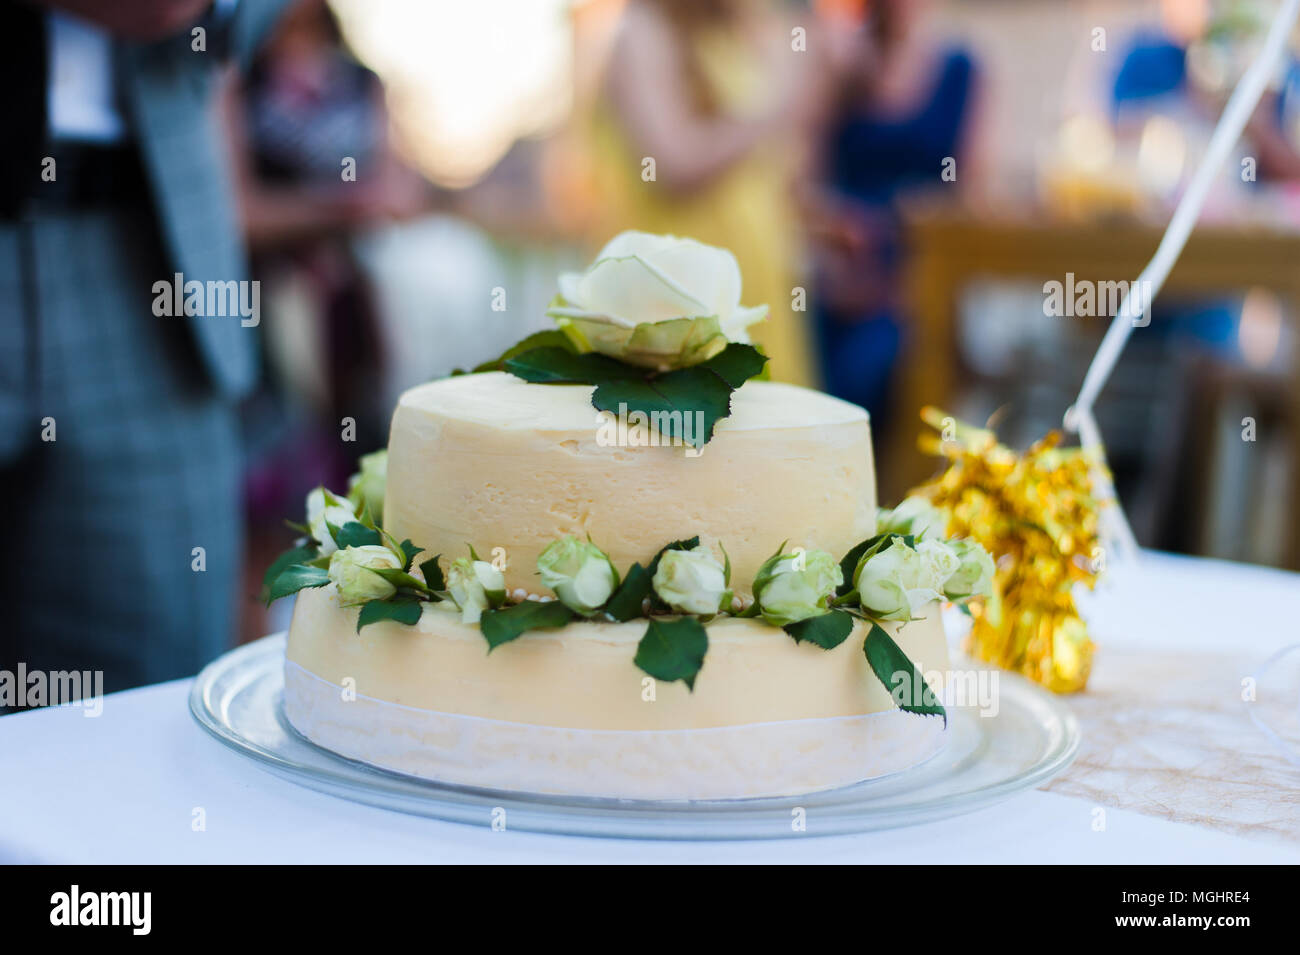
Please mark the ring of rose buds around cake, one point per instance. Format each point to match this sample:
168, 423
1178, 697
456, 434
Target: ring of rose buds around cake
808, 593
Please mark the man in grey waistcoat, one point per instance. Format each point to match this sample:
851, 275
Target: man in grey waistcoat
127, 329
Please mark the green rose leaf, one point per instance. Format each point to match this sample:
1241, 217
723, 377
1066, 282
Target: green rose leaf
849, 565
827, 631
399, 578
552, 365
626, 602
689, 543
673, 401
508, 623
736, 364
295, 555
401, 611
899, 675
296, 578
355, 534
550, 338
433, 575
673, 650
682, 405
409, 551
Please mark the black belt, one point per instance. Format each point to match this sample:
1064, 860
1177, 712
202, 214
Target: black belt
87, 176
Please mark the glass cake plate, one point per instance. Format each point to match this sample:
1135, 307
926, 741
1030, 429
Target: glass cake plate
1032, 737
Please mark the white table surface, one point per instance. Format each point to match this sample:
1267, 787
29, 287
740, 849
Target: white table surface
123, 787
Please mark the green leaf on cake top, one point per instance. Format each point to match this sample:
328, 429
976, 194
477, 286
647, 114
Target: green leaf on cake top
561, 365
900, 676
683, 405
550, 337
673, 649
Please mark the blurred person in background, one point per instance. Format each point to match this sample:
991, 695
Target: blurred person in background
1182, 68
906, 106
1185, 65
713, 92
314, 168
119, 441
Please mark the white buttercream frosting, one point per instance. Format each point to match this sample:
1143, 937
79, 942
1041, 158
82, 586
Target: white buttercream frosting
493, 461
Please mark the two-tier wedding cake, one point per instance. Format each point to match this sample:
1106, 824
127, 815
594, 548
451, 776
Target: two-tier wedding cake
615, 562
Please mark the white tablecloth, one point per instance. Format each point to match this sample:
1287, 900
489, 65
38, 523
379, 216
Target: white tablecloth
125, 787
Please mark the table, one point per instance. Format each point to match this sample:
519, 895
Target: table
1181, 773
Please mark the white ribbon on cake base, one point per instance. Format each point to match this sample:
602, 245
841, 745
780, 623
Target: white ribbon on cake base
731, 762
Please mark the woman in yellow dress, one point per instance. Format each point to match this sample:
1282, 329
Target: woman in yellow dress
696, 132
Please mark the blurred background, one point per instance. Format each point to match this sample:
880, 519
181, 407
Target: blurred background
898, 178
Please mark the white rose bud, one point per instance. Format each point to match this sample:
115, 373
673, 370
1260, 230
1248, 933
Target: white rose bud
367, 486
790, 588
896, 581
974, 574
475, 586
579, 572
692, 581
938, 562
325, 508
656, 301
916, 516
353, 570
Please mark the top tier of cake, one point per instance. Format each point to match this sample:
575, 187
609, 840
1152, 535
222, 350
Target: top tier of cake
494, 462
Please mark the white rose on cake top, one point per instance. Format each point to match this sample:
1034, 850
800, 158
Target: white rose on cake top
656, 301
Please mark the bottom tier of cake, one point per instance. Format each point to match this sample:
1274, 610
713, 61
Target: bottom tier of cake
565, 711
